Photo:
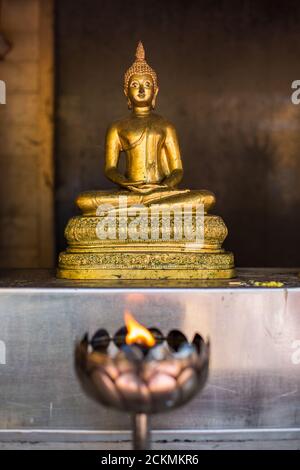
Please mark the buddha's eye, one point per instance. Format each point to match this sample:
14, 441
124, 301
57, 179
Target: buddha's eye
147, 84
134, 84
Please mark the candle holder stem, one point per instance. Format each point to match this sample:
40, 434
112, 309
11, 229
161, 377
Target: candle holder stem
141, 432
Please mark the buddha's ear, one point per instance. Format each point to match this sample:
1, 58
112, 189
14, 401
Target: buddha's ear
154, 98
129, 104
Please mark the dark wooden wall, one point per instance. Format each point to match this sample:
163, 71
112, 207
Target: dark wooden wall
225, 71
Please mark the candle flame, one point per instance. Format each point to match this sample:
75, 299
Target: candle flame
137, 333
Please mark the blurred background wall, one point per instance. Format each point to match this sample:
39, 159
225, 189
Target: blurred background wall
26, 135
225, 71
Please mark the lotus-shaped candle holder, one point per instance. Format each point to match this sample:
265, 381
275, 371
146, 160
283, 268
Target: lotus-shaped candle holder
139, 378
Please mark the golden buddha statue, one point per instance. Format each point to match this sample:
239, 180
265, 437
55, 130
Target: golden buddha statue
153, 171
153, 162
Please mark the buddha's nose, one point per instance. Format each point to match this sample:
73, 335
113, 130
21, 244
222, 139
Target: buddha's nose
141, 91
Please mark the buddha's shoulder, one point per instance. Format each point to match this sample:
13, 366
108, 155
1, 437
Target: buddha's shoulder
127, 121
118, 124
157, 118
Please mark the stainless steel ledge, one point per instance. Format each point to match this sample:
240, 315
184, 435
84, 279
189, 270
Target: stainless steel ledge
253, 390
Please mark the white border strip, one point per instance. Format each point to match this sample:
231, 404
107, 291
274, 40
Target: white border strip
72, 435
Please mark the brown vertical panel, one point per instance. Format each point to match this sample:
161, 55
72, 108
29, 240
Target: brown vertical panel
46, 170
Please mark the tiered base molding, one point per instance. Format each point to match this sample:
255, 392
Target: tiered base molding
88, 257
146, 265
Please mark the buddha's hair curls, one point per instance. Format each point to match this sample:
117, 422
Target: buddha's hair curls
139, 66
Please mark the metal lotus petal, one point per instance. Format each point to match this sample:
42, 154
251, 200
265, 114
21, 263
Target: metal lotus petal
133, 352
100, 341
202, 360
185, 352
132, 382
175, 339
106, 388
199, 342
83, 372
103, 362
148, 370
123, 364
95, 359
164, 391
159, 337
119, 337
158, 353
81, 352
188, 384
170, 367
133, 391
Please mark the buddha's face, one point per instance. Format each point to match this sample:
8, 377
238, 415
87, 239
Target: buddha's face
141, 91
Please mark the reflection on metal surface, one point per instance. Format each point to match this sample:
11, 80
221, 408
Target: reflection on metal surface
2, 353
254, 381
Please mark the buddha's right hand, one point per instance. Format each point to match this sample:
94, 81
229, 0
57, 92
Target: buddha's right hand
129, 184
147, 188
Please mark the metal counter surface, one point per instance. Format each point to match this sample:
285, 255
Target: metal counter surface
254, 384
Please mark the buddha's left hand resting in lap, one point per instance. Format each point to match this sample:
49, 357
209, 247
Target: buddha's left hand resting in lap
153, 162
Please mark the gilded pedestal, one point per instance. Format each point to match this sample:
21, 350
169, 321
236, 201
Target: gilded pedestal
87, 257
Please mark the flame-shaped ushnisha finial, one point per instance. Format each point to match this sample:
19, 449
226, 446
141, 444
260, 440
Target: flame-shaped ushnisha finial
139, 66
140, 52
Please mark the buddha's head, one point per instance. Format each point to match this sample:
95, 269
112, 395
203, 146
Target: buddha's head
140, 82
